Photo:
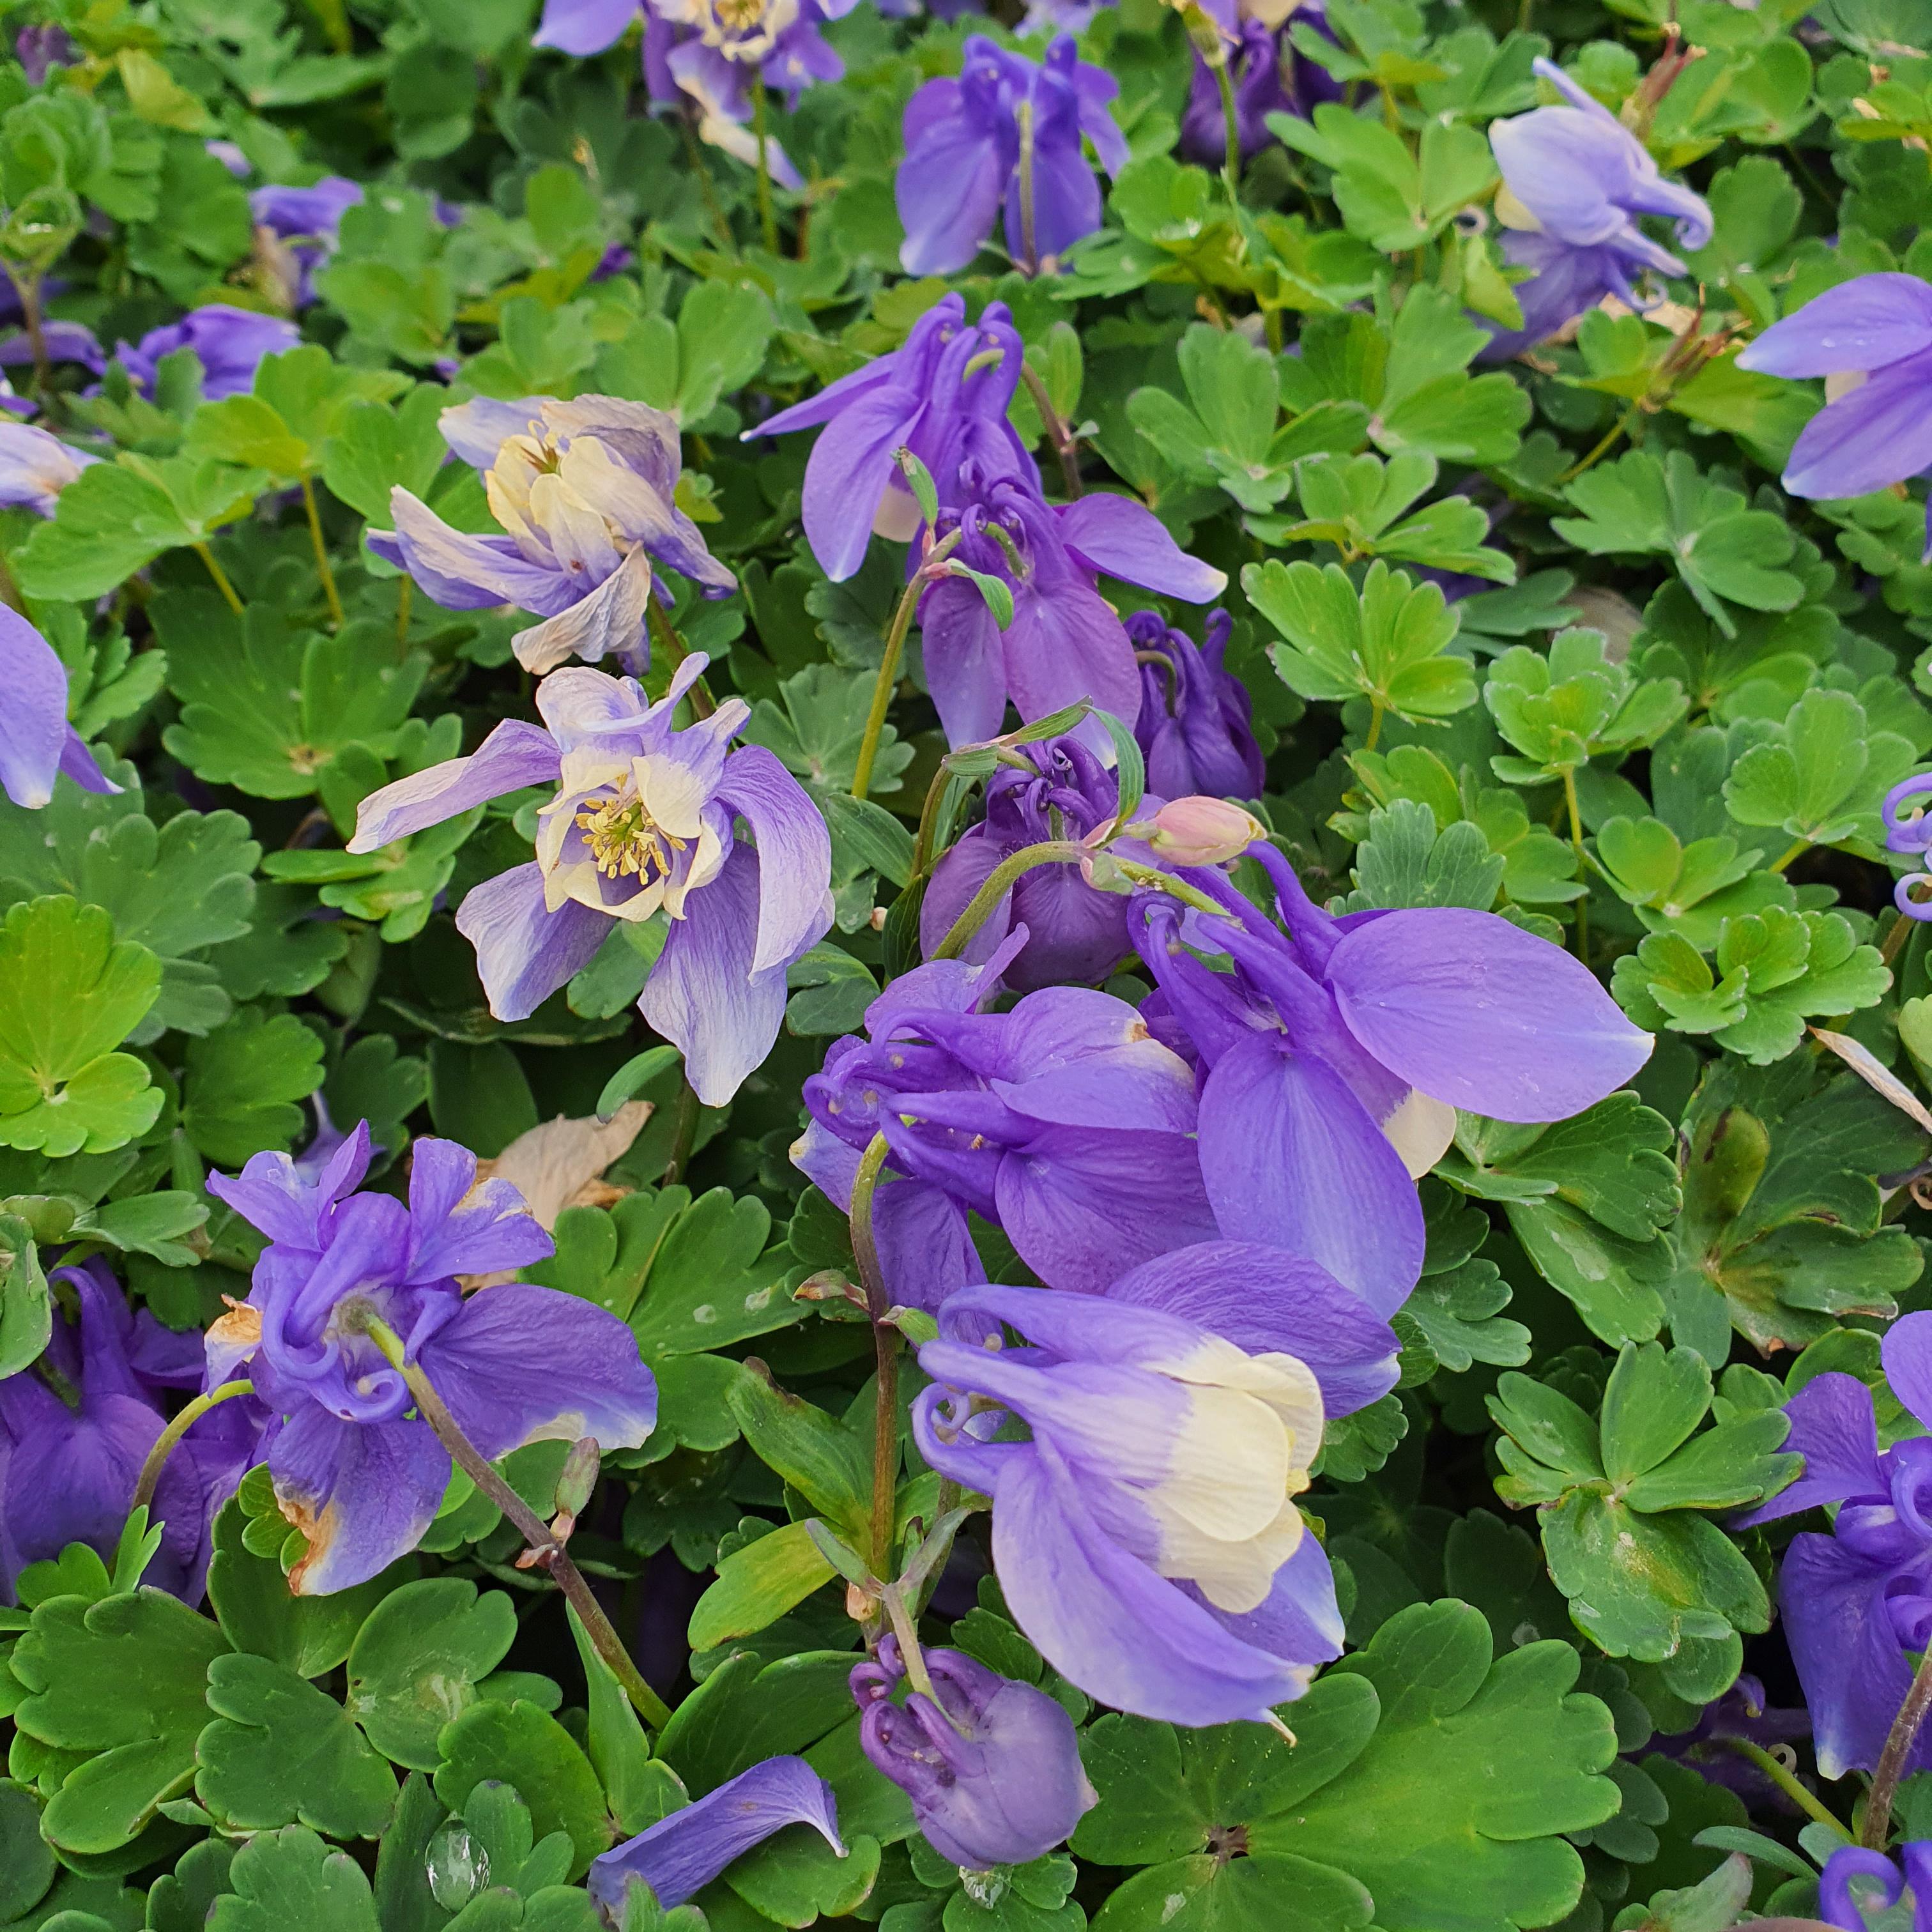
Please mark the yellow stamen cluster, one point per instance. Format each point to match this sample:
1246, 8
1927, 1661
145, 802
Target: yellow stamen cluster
625, 840
738, 16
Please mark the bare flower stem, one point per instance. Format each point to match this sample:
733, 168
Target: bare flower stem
1896, 1755
550, 1554
889, 665
885, 1351
1230, 117
999, 883
1582, 865
220, 576
1806, 1801
150, 1478
1066, 444
665, 634
684, 1134
315, 537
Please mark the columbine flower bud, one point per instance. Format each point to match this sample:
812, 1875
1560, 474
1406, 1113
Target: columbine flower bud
1201, 831
992, 1767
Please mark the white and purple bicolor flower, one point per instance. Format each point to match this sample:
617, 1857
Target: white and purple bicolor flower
36, 466
1575, 179
1856, 1601
36, 743
584, 490
68, 1471
992, 1766
1062, 1119
972, 146
942, 394
1065, 642
1870, 338
645, 819
679, 1856
1146, 1537
355, 1469
1334, 1056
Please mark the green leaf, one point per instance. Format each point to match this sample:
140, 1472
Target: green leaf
281, 1752
1393, 199
258, 1613
1561, 710
69, 994
416, 1664
27, 1863
1388, 644
824, 1459
815, 727
289, 1878
1404, 861
26, 1315
119, 1682
757, 1585
240, 1084
523, 1746
377, 447
1822, 779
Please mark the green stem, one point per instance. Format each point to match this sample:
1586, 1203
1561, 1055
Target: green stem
1156, 880
1805, 1800
882, 686
1582, 864
1893, 942
1066, 444
315, 537
10, 587
905, 1627
768, 221
694, 153
1892, 1760
999, 883
1376, 709
1023, 114
28, 287
684, 1135
550, 1555
665, 634
1603, 444
1797, 847
885, 1344
220, 576
1231, 165
150, 1478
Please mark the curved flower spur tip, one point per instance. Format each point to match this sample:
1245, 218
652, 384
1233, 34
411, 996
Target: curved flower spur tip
679, 1856
36, 743
992, 1766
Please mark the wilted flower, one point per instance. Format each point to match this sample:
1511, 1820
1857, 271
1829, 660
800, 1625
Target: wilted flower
355, 1469
1334, 1056
585, 490
1061, 1119
36, 743
1870, 338
679, 1856
942, 394
35, 467
643, 820
1146, 1537
1064, 643
1006, 134
300, 225
1076, 932
1856, 1601
1574, 181
72, 1441
1856, 1882
1195, 727
992, 1767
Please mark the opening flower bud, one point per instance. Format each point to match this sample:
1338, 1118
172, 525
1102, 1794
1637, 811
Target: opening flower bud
1201, 831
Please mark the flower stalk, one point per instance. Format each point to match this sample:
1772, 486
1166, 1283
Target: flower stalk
150, 1478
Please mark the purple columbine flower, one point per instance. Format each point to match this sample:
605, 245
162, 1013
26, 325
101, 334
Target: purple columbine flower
1856, 1601
72, 1441
1909, 834
230, 344
1146, 1537
1742, 1712
40, 50
36, 466
584, 490
1196, 723
992, 1767
355, 1469
1575, 179
1870, 338
1061, 1119
1077, 932
1334, 1056
679, 1856
300, 226
36, 743
1270, 74
1065, 643
644, 820
1006, 135
1857, 1883
942, 394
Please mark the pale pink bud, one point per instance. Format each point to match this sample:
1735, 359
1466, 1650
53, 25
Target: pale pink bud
1201, 831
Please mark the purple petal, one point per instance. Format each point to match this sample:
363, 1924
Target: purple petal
795, 854
1476, 1012
1292, 1158
965, 661
1120, 538
1065, 643
363, 1494
583, 27
1834, 1429
611, 618
516, 754
523, 951
272, 1195
1879, 435
703, 995
520, 1364
1869, 322
1083, 1207
925, 1242
462, 572
681, 1855
33, 720
475, 430
1267, 1301
1301, 1619
965, 868
949, 186
845, 481
77, 762
1907, 1354
457, 1228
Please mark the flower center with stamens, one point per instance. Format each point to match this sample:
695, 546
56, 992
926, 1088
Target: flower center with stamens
738, 16
625, 840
